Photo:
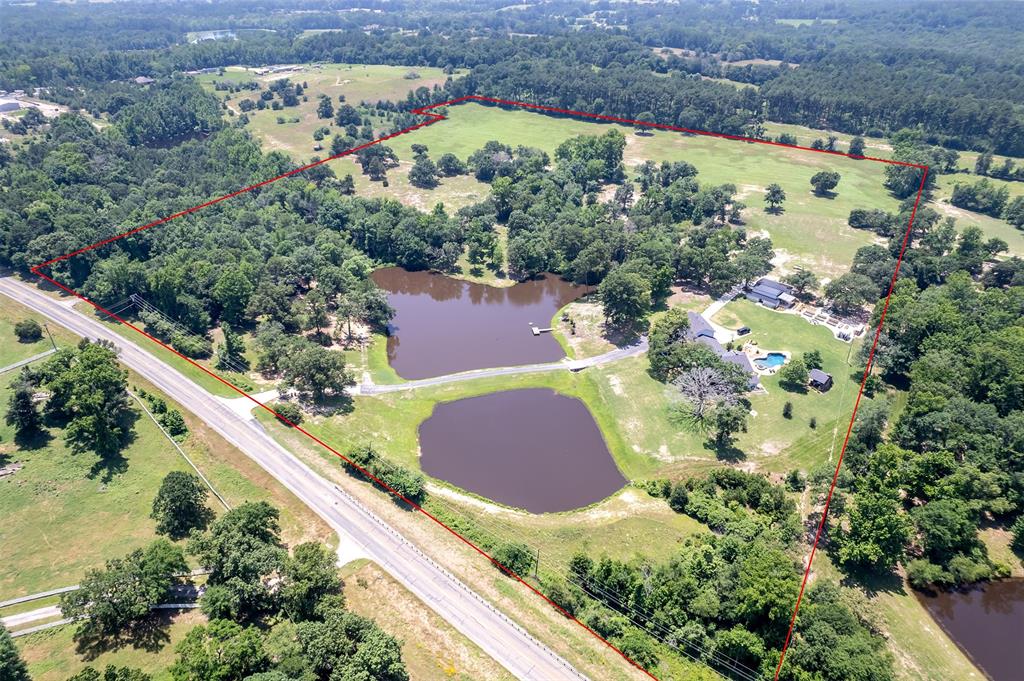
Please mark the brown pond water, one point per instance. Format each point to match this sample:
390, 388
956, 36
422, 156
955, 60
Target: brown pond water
532, 449
444, 325
987, 623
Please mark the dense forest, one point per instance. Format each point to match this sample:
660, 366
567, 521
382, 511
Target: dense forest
946, 79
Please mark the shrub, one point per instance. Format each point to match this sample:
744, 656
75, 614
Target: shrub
513, 556
923, 574
1018, 534
787, 410
191, 346
174, 423
28, 331
795, 481
679, 498
288, 410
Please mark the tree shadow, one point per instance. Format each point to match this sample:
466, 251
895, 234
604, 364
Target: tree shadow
148, 634
330, 405
31, 440
112, 462
874, 583
726, 451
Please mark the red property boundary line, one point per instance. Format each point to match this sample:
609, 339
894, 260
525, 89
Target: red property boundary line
434, 118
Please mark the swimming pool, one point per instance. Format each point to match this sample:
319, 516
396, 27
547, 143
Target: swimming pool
770, 361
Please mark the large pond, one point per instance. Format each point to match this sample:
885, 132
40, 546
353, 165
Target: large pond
532, 449
987, 623
444, 325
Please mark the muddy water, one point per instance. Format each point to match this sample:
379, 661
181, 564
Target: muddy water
987, 623
532, 449
444, 325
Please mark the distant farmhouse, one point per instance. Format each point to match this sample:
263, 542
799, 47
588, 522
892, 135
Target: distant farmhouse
771, 293
702, 332
203, 36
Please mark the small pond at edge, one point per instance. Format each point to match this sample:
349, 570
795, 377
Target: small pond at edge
532, 449
987, 622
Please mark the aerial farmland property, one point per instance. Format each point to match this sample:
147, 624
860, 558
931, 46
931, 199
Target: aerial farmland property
675, 341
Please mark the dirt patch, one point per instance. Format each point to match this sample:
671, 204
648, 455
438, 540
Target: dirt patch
781, 262
590, 337
687, 299
952, 211
746, 190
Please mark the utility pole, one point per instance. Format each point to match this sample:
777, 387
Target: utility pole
48, 335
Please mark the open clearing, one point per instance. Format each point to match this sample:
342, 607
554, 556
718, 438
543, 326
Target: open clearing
357, 82
811, 229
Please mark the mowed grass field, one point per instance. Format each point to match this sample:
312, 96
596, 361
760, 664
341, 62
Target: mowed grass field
51, 655
357, 82
11, 349
811, 232
880, 148
65, 512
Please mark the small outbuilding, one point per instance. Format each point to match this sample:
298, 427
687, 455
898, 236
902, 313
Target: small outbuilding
820, 381
144, 80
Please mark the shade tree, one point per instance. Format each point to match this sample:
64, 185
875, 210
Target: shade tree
824, 182
180, 505
774, 197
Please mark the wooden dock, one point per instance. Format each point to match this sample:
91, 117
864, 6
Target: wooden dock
538, 331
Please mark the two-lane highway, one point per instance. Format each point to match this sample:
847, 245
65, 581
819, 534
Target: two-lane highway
506, 642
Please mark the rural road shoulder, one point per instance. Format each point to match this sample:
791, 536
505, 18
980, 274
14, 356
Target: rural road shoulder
508, 643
